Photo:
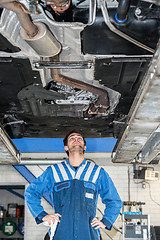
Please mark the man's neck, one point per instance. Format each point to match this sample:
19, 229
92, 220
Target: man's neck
76, 159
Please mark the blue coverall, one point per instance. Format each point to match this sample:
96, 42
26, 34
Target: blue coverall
74, 194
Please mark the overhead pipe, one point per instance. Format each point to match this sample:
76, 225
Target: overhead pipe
122, 10
36, 34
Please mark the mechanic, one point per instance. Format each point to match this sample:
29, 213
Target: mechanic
74, 186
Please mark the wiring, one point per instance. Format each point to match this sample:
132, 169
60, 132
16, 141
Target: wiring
138, 182
117, 229
149, 191
100, 211
151, 194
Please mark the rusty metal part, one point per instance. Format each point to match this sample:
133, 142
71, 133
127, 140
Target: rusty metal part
102, 103
98, 109
59, 5
20, 5
33, 7
29, 27
37, 34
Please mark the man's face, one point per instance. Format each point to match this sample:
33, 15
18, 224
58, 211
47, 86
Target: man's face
75, 143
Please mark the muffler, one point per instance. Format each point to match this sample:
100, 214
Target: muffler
44, 43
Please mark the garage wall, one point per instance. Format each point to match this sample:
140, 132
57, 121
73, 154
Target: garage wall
119, 174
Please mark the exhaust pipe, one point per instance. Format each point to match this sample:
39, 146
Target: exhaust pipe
44, 43
36, 34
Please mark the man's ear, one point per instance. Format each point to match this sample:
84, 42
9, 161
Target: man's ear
85, 148
66, 148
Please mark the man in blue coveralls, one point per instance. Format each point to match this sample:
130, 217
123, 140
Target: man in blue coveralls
74, 186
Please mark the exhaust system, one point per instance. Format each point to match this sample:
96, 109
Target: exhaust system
39, 37
36, 34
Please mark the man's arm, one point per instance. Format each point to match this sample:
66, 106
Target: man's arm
35, 191
110, 198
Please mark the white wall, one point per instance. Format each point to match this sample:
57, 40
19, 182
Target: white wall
119, 175
151, 193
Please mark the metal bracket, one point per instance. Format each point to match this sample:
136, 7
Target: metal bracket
64, 64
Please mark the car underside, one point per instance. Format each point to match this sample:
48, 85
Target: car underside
83, 71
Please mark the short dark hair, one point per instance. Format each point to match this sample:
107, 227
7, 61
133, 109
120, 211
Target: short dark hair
65, 140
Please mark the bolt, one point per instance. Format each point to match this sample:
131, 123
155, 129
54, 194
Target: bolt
137, 11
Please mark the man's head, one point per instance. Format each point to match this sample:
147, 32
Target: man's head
74, 141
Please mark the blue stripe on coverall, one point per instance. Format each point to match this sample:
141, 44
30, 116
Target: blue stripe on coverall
67, 170
93, 173
59, 172
85, 171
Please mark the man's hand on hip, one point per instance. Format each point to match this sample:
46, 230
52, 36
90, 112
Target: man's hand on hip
97, 224
52, 217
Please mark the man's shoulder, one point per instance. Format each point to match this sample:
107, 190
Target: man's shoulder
61, 165
93, 163
100, 169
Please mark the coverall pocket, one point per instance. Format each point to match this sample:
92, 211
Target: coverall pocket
61, 186
61, 195
90, 197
